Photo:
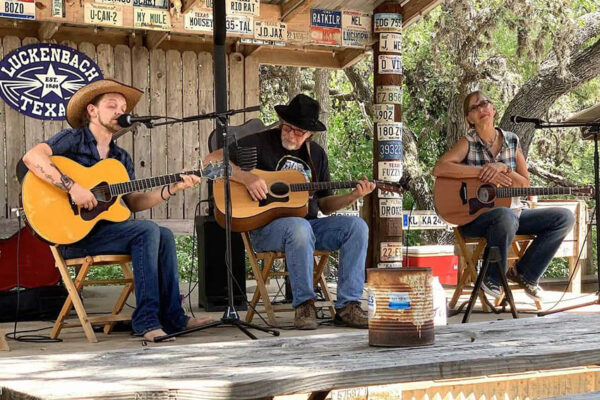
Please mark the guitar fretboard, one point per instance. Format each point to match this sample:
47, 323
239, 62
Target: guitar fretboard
147, 183
531, 191
311, 186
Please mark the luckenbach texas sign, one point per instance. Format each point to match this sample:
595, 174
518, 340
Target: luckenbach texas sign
38, 80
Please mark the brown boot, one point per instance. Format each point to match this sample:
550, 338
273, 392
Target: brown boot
306, 316
351, 315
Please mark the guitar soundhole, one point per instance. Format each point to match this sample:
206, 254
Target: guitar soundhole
279, 189
486, 193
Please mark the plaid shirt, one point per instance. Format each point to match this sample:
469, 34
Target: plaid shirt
80, 146
479, 154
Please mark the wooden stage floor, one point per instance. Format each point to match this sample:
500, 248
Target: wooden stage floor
220, 363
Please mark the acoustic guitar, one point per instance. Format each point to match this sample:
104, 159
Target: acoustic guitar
56, 219
460, 201
287, 197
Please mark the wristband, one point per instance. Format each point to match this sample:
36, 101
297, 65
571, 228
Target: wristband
162, 192
169, 190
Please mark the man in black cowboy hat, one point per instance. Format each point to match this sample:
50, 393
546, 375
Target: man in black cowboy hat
92, 112
288, 147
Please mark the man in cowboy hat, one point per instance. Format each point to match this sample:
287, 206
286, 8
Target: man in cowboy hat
288, 147
92, 113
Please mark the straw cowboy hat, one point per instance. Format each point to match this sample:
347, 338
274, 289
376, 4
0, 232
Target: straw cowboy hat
303, 112
84, 96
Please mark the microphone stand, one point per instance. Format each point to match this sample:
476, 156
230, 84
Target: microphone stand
230, 316
594, 130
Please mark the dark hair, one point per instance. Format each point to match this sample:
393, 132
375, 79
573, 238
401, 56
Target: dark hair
85, 118
479, 94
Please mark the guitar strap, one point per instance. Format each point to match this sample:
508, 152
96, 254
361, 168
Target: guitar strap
310, 160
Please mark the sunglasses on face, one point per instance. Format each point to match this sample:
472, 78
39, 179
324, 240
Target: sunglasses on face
482, 104
297, 131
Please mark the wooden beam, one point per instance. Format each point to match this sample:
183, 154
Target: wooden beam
297, 57
414, 9
349, 57
155, 38
188, 4
47, 29
293, 8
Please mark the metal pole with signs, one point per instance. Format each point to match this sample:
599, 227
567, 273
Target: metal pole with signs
387, 148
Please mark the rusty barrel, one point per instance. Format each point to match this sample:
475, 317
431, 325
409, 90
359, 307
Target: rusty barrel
400, 307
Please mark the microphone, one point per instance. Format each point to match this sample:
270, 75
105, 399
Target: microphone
517, 119
126, 120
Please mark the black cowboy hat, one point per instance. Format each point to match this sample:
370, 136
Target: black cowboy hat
302, 112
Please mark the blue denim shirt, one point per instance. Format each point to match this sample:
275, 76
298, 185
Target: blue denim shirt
80, 145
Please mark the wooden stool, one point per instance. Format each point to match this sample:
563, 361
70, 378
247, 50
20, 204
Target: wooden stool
3, 343
262, 276
74, 288
470, 251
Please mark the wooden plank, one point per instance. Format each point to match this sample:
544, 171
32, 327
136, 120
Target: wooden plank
34, 128
47, 29
3, 344
58, 125
123, 74
252, 86
106, 60
142, 153
155, 38
581, 396
3, 107
295, 7
15, 139
236, 370
297, 58
176, 225
158, 106
236, 86
206, 101
174, 132
191, 151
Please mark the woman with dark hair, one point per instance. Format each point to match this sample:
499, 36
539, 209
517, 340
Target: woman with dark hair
494, 156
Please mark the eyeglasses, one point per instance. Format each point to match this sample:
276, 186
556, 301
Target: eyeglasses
480, 105
297, 131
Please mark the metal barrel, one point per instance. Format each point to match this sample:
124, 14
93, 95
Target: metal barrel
400, 307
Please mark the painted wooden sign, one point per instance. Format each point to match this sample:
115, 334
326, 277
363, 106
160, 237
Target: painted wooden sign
297, 37
389, 64
356, 29
389, 131
390, 43
103, 14
388, 22
390, 251
151, 18
239, 24
389, 94
19, 9
390, 171
383, 113
161, 4
270, 31
325, 27
390, 208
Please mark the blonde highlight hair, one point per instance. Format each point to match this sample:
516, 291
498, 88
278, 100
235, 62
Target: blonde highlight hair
480, 95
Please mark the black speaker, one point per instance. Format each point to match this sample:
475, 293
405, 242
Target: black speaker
212, 271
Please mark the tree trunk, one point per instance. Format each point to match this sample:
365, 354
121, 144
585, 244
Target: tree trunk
322, 78
538, 94
295, 83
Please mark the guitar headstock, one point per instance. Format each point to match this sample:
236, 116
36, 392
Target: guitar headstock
214, 170
583, 191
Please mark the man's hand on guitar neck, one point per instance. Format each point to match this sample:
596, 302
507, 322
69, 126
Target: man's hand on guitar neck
363, 188
82, 197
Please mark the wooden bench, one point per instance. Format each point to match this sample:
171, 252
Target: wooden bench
266, 368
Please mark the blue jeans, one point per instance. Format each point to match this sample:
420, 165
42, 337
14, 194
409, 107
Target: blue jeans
500, 225
299, 237
154, 260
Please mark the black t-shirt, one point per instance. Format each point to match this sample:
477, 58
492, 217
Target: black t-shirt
272, 156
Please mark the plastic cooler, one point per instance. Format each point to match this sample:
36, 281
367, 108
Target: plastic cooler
440, 258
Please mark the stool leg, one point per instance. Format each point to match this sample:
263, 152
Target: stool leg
127, 289
476, 289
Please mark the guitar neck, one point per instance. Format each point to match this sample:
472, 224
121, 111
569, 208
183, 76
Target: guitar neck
313, 186
137, 185
531, 191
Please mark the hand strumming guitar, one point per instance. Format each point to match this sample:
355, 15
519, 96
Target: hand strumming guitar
82, 197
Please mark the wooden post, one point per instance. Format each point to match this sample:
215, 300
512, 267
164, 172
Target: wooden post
387, 149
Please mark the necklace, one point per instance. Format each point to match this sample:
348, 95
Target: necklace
490, 144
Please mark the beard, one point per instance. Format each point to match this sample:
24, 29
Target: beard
289, 144
110, 125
